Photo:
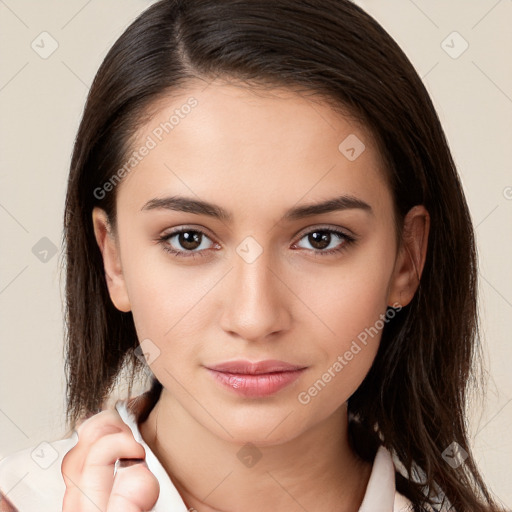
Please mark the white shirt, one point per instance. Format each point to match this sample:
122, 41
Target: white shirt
33, 488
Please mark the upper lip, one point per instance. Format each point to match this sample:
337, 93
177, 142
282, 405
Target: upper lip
254, 368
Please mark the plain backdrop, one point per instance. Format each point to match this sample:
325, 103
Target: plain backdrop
460, 48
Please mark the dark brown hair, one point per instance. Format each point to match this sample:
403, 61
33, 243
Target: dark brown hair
416, 391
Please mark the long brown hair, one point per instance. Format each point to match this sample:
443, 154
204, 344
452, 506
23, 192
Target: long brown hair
415, 393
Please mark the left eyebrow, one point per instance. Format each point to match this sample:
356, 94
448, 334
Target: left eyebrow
345, 202
199, 207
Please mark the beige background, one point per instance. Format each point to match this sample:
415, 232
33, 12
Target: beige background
41, 101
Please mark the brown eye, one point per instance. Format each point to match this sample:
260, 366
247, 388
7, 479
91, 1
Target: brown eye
320, 239
327, 241
189, 240
185, 243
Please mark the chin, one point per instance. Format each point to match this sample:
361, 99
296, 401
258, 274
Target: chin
260, 428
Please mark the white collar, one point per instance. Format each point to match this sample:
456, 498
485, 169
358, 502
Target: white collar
380, 495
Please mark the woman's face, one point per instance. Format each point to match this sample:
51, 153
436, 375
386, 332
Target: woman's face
262, 271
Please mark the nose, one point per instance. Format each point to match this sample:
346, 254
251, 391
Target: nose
256, 301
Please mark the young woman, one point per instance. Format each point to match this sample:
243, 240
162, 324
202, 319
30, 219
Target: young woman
262, 208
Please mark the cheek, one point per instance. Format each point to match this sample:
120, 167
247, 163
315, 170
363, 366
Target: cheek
349, 298
352, 304
161, 289
164, 297
345, 357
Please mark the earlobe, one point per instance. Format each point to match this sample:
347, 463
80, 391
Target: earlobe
108, 246
411, 258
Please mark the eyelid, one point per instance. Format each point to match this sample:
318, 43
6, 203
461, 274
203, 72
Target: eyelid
327, 227
186, 227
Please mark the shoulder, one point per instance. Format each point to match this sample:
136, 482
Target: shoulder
31, 479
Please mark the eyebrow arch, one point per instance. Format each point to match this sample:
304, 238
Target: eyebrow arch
199, 207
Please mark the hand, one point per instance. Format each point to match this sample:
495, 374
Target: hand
88, 469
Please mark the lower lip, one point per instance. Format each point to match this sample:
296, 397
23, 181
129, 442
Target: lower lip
256, 386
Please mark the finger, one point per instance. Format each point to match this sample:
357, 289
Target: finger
89, 483
92, 427
106, 422
135, 489
98, 471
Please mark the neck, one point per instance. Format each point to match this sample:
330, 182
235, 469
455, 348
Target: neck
314, 471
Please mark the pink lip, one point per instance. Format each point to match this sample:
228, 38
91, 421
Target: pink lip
258, 379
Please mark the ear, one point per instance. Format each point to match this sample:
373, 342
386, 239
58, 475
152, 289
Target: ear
411, 257
109, 248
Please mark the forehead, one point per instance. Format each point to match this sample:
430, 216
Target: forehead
226, 141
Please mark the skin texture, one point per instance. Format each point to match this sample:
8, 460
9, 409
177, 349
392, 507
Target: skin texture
257, 155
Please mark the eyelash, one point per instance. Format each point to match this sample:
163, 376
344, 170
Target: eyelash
163, 240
